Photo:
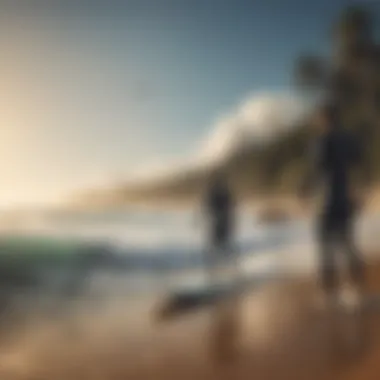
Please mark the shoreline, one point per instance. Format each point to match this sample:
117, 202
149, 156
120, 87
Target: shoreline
274, 332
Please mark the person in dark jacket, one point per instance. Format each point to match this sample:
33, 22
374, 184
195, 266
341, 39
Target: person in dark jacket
336, 155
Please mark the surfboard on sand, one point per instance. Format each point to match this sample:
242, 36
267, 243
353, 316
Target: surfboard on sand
186, 299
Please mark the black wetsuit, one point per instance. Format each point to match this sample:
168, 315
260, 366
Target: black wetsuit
335, 156
219, 207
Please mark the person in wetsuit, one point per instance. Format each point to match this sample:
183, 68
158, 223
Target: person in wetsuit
337, 153
219, 205
222, 266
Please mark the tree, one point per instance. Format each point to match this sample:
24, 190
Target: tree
354, 27
352, 76
310, 73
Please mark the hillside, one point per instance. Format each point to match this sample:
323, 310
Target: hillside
271, 167
274, 168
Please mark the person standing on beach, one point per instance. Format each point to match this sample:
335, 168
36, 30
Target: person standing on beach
336, 154
219, 208
222, 264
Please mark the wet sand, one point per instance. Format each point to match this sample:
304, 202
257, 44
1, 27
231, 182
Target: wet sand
275, 332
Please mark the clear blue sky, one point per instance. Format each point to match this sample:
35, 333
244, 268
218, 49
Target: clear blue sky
92, 89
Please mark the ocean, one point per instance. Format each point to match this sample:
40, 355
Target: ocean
165, 248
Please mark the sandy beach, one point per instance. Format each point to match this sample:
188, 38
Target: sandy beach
274, 332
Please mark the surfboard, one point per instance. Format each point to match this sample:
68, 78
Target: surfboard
191, 298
